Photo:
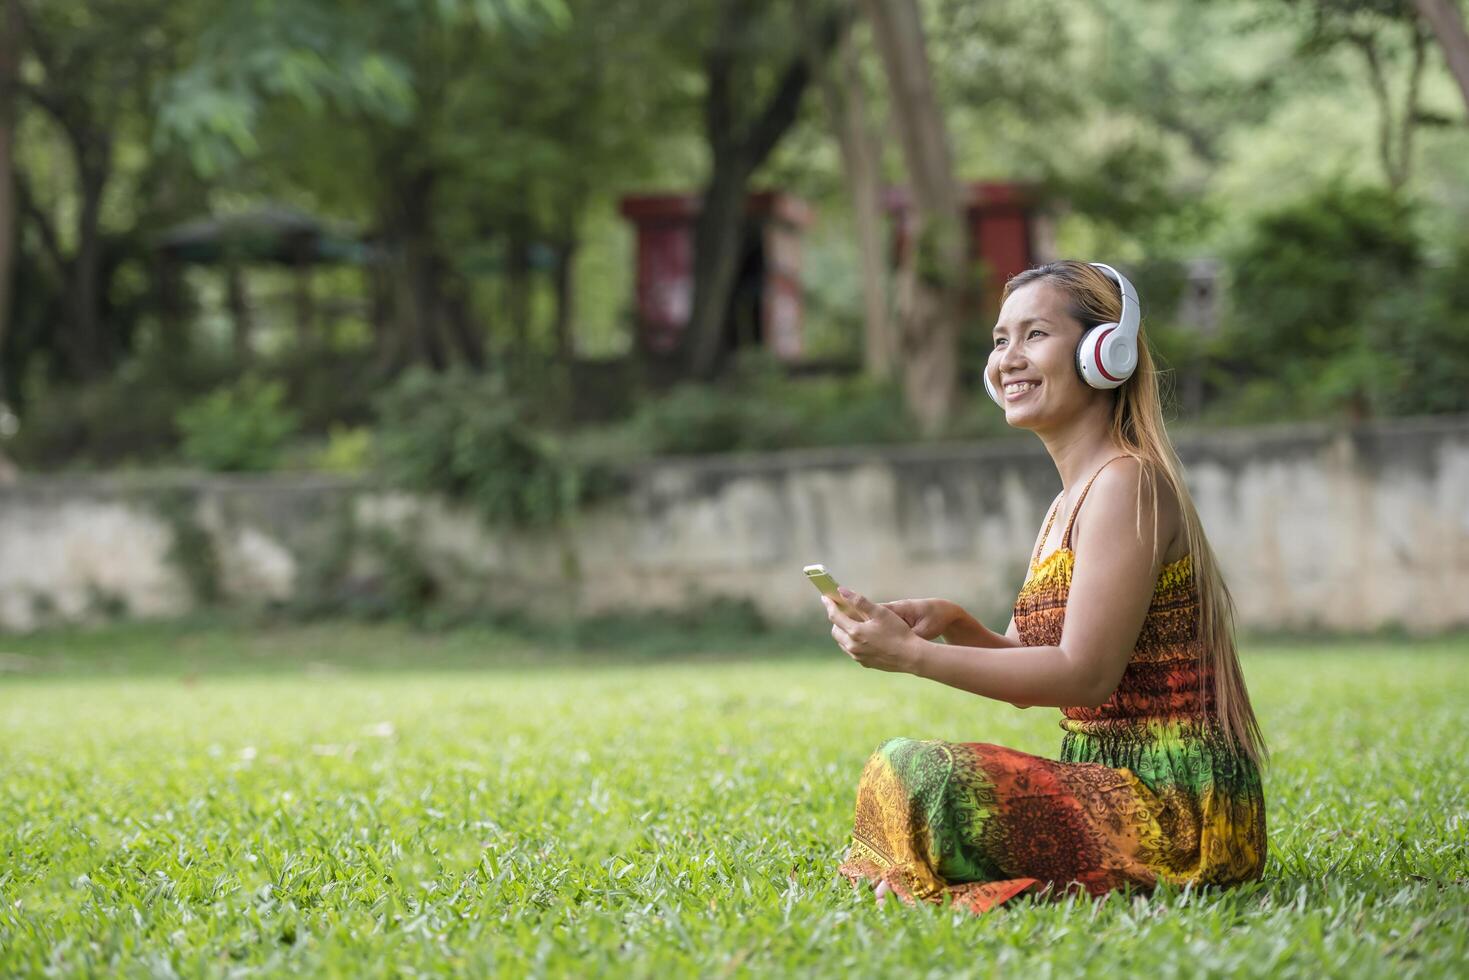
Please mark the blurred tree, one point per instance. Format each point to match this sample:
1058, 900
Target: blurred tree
743, 39
1384, 33
471, 135
1447, 23
1311, 273
933, 286
843, 90
9, 77
382, 76
94, 97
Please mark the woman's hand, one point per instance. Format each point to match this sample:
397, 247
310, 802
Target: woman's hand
929, 618
885, 641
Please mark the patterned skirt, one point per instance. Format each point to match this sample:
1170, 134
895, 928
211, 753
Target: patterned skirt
977, 823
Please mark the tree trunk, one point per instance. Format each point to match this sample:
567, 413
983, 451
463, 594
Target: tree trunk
9, 72
930, 326
463, 329
168, 299
389, 355
423, 303
1448, 26
238, 301
717, 234
862, 162
565, 282
305, 302
738, 151
92, 353
517, 290
1394, 130
416, 268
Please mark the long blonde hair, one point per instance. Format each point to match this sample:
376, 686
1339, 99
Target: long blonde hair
1137, 426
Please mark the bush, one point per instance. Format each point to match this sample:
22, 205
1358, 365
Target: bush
1308, 271
1335, 308
1415, 355
239, 427
130, 417
467, 437
348, 449
759, 408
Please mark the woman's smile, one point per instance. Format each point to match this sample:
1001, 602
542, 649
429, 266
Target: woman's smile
1016, 390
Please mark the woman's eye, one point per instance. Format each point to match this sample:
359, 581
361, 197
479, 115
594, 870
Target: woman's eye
999, 341
1034, 332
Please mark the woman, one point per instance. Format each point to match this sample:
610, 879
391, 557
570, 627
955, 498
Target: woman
1123, 622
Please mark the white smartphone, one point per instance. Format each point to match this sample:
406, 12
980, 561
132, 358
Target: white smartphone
821, 578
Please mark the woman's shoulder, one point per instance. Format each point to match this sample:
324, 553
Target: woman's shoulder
1130, 494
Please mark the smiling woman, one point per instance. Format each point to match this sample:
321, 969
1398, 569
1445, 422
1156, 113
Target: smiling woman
1125, 624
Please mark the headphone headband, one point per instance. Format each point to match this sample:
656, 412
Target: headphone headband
1127, 323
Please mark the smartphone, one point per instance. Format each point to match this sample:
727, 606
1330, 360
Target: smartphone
821, 578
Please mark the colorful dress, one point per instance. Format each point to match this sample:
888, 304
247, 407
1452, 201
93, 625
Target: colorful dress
1148, 788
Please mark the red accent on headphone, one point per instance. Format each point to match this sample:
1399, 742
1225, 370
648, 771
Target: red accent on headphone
1098, 359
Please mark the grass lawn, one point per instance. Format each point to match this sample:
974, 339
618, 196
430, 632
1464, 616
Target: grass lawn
350, 800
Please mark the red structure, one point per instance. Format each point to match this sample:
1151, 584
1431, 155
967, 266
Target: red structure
766, 306
1007, 231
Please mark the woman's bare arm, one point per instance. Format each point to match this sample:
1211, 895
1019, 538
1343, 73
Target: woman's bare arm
1111, 588
967, 631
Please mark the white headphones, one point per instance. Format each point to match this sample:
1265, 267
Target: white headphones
1106, 355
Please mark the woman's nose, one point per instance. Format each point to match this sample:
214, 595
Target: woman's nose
1009, 358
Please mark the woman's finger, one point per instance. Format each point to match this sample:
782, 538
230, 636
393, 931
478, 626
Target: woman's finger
840, 618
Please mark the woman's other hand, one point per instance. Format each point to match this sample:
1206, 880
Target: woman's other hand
929, 618
884, 641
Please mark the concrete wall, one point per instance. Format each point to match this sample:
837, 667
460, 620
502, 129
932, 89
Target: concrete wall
1316, 528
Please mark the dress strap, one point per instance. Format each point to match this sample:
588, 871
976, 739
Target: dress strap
1047, 532
1066, 537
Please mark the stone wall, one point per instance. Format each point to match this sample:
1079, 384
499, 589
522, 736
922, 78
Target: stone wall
1317, 528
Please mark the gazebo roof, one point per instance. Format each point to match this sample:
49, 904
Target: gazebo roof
269, 234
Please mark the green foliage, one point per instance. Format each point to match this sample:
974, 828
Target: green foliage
128, 417
464, 435
238, 427
1130, 187
759, 408
1310, 269
326, 801
407, 586
191, 548
394, 583
321, 56
1335, 309
348, 450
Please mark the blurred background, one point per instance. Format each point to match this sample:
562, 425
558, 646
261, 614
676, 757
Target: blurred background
498, 296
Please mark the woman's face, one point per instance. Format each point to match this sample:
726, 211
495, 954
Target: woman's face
1033, 362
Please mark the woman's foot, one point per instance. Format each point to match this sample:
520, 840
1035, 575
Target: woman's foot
881, 891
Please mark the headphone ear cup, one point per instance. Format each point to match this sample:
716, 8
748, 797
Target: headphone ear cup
1105, 357
989, 386
1117, 353
1086, 357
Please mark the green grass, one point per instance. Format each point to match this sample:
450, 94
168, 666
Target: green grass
351, 800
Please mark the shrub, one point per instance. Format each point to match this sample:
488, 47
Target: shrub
348, 449
1334, 307
1415, 356
467, 437
759, 408
1308, 271
128, 417
239, 427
